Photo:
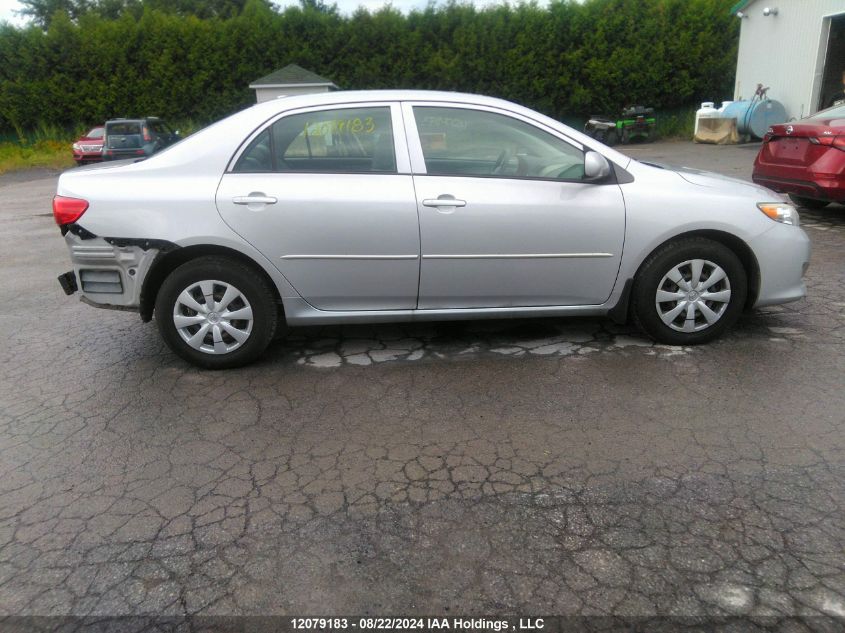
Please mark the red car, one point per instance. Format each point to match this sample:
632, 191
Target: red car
89, 148
805, 159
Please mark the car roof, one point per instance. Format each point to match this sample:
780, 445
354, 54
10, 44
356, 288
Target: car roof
352, 96
135, 120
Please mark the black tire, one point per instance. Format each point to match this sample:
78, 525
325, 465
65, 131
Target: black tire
809, 203
644, 308
612, 138
253, 288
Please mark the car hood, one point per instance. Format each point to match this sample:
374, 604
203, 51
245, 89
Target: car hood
725, 184
90, 141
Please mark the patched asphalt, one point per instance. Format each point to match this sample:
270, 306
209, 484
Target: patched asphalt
551, 466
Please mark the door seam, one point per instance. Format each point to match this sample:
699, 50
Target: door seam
416, 206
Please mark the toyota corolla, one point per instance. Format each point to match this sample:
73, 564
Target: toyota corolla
366, 207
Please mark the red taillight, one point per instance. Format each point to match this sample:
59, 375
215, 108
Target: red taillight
67, 210
822, 140
830, 141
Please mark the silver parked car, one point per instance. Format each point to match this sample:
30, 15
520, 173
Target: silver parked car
383, 206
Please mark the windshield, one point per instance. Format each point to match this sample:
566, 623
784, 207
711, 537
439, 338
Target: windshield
836, 112
96, 132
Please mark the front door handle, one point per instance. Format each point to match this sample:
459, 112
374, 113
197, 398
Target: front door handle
443, 201
254, 198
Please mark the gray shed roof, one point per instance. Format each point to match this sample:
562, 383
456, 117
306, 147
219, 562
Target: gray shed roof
291, 75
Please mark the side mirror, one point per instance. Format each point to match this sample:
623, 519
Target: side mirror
596, 167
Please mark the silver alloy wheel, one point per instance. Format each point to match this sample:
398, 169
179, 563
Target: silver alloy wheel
213, 316
693, 295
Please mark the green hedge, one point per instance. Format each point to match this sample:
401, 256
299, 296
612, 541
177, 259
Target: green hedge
566, 59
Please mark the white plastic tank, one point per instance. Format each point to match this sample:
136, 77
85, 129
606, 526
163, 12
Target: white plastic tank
707, 111
725, 104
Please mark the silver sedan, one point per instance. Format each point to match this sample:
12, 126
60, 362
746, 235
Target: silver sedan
384, 206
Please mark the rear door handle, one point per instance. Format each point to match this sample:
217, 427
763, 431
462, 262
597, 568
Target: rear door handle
444, 202
254, 198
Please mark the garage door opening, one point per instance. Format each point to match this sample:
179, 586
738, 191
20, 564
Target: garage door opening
834, 63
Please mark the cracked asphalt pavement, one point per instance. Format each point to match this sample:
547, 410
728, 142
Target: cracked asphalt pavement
548, 466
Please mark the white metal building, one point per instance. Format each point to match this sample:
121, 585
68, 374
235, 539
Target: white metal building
795, 47
288, 81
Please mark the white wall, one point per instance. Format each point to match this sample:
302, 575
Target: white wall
267, 94
782, 51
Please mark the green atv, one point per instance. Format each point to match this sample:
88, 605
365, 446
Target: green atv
635, 124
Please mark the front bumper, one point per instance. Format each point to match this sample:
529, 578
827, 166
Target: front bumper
87, 157
783, 255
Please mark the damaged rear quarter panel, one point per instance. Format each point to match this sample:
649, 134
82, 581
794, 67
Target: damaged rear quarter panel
128, 224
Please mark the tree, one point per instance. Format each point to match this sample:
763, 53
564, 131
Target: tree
194, 59
41, 12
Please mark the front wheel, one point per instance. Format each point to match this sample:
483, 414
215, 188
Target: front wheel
689, 292
216, 312
808, 203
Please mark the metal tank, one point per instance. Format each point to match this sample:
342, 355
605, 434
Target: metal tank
755, 116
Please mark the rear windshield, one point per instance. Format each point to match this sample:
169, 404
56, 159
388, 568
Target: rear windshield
123, 129
836, 112
96, 132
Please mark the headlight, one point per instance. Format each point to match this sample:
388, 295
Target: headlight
780, 212
76, 146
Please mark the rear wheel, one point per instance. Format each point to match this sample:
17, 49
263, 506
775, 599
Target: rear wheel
689, 292
216, 312
808, 203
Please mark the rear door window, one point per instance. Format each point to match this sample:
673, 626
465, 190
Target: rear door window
341, 141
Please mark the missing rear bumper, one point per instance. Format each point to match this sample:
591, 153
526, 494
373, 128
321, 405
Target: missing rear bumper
109, 272
107, 306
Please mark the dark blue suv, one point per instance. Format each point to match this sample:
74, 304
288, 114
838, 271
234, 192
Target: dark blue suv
136, 138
